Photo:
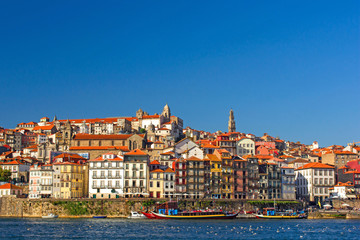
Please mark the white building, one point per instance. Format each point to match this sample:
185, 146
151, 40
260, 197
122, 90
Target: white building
35, 182
9, 189
169, 183
106, 176
343, 190
288, 183
313, 181
47, 175
19, 170
245, 146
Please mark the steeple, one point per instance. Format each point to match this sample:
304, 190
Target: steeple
166, 112
231, 124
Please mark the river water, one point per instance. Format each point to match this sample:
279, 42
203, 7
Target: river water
37, 228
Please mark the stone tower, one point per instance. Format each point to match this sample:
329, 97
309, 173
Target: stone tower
166, 113
231, 125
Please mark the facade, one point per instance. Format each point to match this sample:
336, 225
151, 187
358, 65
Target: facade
169, 183
106, 176
19, 170
35, 182
288, 183
195, 177
181, 178
9, 189
136, 164
338, 158
72, 180
156, 183
240, 178
245, 146
313, 181
215, 175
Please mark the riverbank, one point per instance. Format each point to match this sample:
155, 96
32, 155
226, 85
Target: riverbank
119, 208
334, 214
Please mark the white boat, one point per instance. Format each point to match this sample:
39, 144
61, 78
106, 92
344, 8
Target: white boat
136, 215
51, 215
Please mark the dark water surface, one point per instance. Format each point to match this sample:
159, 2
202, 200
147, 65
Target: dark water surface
18, 228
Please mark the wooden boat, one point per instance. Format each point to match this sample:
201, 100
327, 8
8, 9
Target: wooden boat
136, 215
270, 213
261, 216
99, 216
51, 215
149, 215
197, 215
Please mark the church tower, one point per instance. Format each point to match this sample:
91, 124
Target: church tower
231, 125
166, 113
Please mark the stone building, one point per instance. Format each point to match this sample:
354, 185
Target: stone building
338, 158
231, 123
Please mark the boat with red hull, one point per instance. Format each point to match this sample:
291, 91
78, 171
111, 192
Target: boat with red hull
197, 215
149, 215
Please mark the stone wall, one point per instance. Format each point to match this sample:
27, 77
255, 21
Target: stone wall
20, 207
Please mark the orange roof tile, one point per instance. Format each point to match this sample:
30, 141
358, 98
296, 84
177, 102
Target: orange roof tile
122, 148
315, 165
157, 170
47, 127
154, 163
169, 170
136, 152
9, 186
193, 159
85, 136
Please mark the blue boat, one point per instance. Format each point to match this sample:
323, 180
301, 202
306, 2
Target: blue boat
99, 216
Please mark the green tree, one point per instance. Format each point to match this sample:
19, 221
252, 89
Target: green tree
142, 130
5, 175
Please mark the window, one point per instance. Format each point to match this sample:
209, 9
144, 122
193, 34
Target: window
151, 184
158, 184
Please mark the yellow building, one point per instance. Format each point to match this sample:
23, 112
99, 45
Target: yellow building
215, 175
72, 180
156, 183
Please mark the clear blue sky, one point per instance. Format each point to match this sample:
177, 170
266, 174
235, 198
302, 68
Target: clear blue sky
288, 68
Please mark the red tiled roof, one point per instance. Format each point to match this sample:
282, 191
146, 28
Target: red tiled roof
154, 163
193, 159
157, 170
315, 165
9, 186
84, 136
136, 152
122, 148
151, 116
47, 127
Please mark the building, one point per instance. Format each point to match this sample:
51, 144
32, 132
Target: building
181, 178
245, 146
136, 164
47, 178
338, 158
347, 174
9, 189
106, 176
35, 182
195, 177
253, 178
288, 183
215, 175
73, 180
343, 191
240, 178
156, 183
19, 170
313, 181
169, 183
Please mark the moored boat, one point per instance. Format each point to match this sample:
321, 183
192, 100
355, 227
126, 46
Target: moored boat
136, 215
149, 215
197, 215
270, 213
99, 216
51, 215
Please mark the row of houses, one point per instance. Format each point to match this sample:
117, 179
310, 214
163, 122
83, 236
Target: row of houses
217, 175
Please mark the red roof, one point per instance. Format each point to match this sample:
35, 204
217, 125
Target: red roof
84, 136
151, 116
122, 148
315, 165
9, 186
157, 170
154, 163
47, 127
136, 152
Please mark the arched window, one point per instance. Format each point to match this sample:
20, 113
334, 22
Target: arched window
130, 145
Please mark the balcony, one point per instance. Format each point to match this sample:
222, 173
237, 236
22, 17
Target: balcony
99, 186
114, 177
98, 177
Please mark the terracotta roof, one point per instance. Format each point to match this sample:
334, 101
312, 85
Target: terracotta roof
154, 163
212, 157
193, 159
157, 170
136, 152
207, 145
99, 159
151, 116
315, 165
299, 160
122, 148
9, 186
15, 162
169, 170
286, 156
84, 136
70, 156
167, 153
68, 163
47, 127
163, 128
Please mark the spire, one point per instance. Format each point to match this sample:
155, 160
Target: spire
55, 119
231, 124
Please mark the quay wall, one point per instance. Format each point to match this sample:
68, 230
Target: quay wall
75, 208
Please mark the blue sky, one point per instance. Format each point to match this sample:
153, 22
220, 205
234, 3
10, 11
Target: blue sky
287, 68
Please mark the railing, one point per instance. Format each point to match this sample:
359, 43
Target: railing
99, 186
98, 177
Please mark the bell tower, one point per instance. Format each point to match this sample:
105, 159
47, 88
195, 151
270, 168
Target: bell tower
231, 124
